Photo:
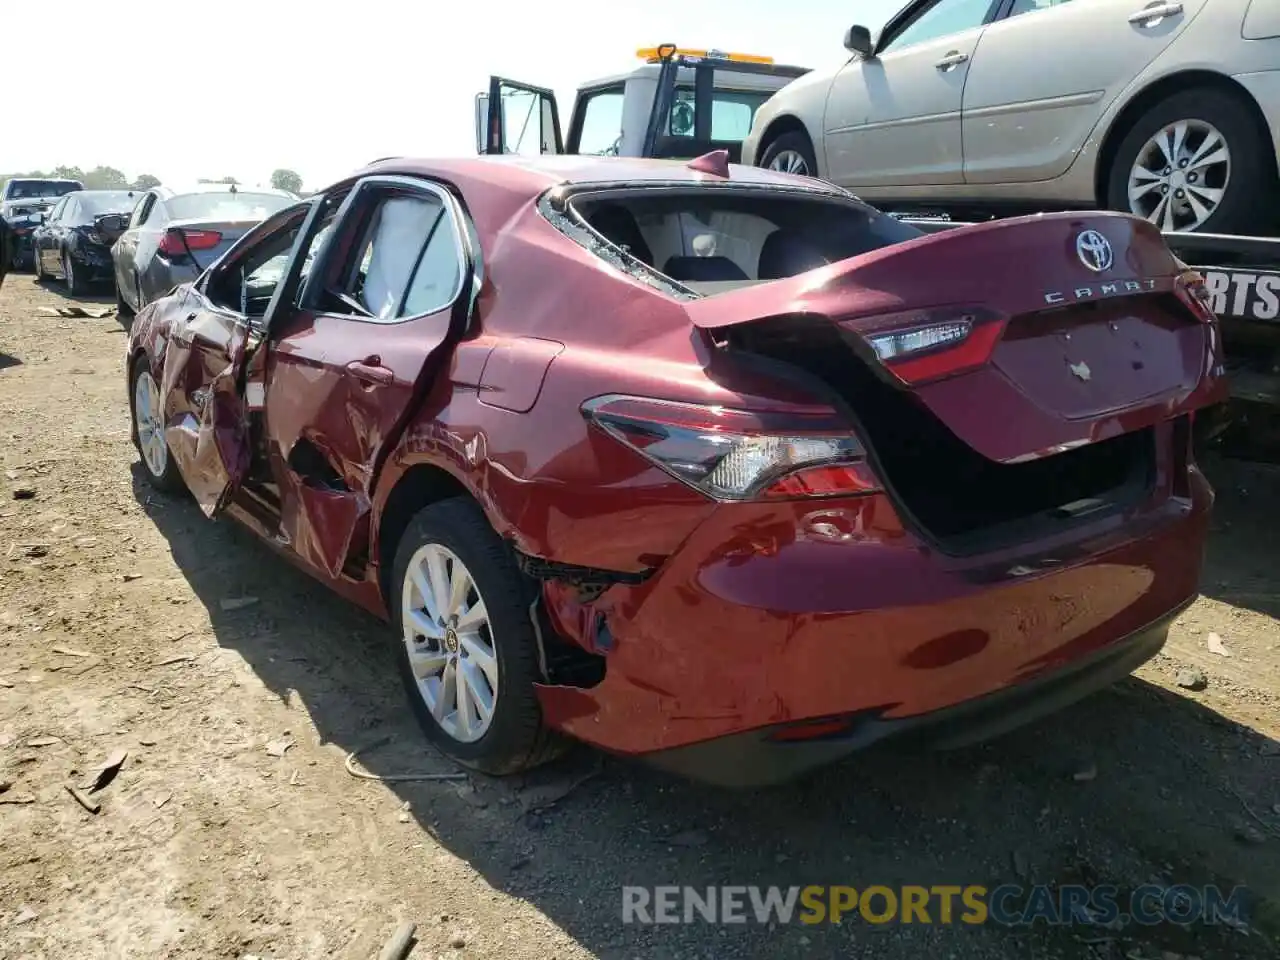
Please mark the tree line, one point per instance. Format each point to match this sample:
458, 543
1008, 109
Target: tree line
109, 178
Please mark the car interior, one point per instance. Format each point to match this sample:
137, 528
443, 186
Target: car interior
711, 244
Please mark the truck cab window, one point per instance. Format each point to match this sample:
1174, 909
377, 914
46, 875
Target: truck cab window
602, 123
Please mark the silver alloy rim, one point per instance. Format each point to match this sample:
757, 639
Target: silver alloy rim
790, 161
449, 641
146, 416
1180, 176
68, 270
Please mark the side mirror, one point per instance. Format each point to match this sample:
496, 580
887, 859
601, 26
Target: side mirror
41, 217
482, 121
857, 39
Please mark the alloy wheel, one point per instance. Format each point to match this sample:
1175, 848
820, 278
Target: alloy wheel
68, 271
790, 161
449, 641
149, 423
1180, 176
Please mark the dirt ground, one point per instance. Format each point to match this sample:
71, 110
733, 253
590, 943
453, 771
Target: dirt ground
129, 622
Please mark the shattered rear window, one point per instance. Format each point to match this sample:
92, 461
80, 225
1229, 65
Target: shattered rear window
712, 240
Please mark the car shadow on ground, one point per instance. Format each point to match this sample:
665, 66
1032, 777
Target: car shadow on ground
101, 293
1134, 785
7, 360
1242, 560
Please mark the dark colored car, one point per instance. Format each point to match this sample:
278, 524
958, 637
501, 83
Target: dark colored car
703, 463
173, 235
73, 242
22, 202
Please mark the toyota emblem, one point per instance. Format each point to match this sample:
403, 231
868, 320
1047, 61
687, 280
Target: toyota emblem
1094, 251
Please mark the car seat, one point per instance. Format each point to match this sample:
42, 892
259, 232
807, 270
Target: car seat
785, 253
617, 225
704, 269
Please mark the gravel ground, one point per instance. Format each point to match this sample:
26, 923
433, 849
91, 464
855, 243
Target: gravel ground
238, 687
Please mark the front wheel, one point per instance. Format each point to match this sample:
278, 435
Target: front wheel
791, 153
1195, 161
466, 645
123, 310
75, 282
148, 429
35, 259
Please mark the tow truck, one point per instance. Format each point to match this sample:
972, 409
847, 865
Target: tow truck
683, 103
679, 104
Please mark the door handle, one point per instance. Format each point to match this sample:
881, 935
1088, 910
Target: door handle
1151, 15
951, 60
370, 370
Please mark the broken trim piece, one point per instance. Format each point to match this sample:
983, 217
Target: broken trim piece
590, 582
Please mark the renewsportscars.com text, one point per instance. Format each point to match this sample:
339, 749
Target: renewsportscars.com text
1008, 905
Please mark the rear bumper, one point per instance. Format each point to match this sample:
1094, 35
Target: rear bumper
774, 614
763, 757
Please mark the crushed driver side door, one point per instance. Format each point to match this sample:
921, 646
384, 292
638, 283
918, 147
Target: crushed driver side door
392, 287
202, 373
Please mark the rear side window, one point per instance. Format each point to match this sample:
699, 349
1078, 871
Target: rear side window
226, 206
711, 240
33, 189
731, 113
406, 260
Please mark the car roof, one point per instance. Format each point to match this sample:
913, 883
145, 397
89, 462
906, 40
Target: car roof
536, 174
181, 190
496, 188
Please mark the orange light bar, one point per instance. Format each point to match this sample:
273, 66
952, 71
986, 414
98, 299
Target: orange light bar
651, 55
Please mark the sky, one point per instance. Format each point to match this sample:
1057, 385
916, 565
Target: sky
239, 88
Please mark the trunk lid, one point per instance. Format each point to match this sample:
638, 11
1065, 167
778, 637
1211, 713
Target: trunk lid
229, 231
1078, 328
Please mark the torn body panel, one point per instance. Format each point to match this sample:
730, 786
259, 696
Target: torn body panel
205, 419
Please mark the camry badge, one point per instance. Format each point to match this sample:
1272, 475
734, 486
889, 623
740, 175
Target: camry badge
1094, 251
1080, 370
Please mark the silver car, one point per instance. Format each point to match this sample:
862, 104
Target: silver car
173, 235
1169, 109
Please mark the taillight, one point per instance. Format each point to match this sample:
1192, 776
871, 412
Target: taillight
1194, 293
177, 242
731, 454
923, 345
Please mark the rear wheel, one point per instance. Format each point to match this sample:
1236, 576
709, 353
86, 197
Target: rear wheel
791, 153
148, 423
466, 646
1194, 162
75, 282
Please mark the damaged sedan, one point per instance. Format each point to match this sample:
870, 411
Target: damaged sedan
701, 463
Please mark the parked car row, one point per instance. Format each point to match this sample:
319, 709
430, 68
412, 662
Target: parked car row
141, 242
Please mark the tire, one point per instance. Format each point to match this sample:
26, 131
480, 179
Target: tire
35, 265
792, 142
515, 738
124, 312
75, 283
166, 479
1252, 182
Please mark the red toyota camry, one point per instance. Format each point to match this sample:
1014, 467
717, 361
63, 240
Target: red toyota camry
696, 462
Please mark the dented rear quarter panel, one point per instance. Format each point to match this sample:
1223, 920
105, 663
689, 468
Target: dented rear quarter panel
557, 325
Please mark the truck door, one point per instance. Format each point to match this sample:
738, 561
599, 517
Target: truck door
519, 118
